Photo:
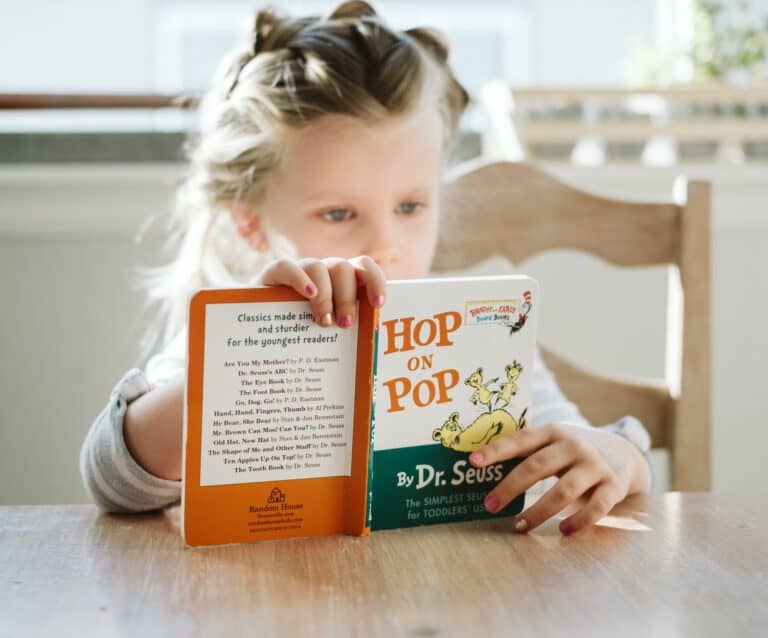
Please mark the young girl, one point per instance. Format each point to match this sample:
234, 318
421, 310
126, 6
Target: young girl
318, 166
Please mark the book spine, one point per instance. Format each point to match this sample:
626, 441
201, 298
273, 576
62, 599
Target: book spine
369, 501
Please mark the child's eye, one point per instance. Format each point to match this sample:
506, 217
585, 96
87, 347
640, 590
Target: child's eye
334, 217
410, 208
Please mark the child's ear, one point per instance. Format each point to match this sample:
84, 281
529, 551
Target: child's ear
248, 224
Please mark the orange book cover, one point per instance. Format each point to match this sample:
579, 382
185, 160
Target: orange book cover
275, 444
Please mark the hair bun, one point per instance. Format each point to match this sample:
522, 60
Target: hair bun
433, 39
352, 9
266, 20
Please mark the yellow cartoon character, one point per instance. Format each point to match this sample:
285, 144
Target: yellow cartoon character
481, 394
509, 389
479, 432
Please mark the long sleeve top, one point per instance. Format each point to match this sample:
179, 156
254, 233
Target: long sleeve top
116, 482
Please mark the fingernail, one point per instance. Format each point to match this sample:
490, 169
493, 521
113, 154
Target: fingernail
345, 321
476, 458
310, 289
378, 300
326, 319
492, 503
521, 525
566, 528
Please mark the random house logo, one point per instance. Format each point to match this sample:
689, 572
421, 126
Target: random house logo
276, 502
507, 312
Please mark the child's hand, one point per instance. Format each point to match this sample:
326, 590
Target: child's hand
599, 468
330, 284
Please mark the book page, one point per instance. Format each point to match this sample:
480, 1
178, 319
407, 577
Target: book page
278, 394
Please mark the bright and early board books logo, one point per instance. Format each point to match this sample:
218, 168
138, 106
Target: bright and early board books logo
508, 312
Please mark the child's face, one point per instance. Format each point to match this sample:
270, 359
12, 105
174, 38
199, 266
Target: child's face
346, 189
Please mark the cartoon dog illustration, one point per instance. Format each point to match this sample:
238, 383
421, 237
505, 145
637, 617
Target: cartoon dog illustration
509, 389
479, 432
481, 394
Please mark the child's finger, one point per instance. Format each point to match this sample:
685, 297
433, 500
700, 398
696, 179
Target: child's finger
599, 504
521, 443
285, 272
344, 293
545, 462
322, 301
567, 490
371, 275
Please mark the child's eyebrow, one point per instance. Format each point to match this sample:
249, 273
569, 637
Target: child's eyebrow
422, 190
321, 202
335, 198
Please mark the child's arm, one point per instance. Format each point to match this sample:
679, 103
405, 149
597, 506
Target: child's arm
114, 479
550, 405
153, 429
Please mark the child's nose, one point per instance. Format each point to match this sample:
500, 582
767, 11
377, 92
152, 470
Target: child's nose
383, 247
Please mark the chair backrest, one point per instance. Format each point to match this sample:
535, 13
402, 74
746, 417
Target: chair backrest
481, 198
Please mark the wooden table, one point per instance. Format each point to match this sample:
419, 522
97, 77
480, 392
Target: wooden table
674, 564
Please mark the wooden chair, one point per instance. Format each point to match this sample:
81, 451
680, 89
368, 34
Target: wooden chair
547, 214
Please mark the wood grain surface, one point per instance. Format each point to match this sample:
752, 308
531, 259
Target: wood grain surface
673, 564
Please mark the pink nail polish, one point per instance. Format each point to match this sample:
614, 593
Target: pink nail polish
476, 458
345, 321
492, 503
310, 289
378, 300
566, 528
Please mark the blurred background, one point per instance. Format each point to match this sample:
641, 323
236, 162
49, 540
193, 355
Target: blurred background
618, 97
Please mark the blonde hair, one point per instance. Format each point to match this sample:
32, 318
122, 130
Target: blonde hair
293, 71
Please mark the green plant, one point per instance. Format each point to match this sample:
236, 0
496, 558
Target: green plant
719, 48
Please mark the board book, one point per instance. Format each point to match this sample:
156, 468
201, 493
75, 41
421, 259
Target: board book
293, 429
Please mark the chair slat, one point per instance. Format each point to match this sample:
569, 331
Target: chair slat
604, 399
517, 210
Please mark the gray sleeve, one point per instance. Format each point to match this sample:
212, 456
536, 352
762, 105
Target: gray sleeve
112, 477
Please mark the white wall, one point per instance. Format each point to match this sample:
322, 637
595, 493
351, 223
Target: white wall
146, 45
83, 45
577, 43
71, 322
68, 327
